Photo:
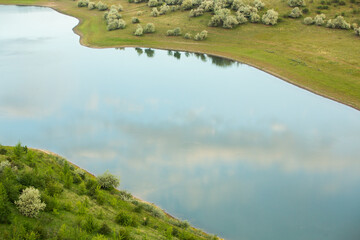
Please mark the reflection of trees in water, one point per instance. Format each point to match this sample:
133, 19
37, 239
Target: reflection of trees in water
218, 61
139, 51
120, 48
221, 62
149, 52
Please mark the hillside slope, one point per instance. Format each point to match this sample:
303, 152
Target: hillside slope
77, 207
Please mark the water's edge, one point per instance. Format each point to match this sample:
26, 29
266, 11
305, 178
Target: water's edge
80, 34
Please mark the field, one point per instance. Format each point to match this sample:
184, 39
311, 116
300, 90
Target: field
322, 60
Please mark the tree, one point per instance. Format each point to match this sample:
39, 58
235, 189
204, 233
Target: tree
295, 13
108, 181
29, 203
270, 17
338, 22
296, 3
5, 211
139, 30
319, 19
308, 21
149, 28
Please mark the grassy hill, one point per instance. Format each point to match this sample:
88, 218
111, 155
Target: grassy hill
77, 205
322, 60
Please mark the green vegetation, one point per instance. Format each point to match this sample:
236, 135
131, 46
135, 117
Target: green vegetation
42, 196
316, 58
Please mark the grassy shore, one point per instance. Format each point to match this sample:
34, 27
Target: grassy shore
76, 206
322, 60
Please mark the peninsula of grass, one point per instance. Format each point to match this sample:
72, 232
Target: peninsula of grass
323, 60
43, 196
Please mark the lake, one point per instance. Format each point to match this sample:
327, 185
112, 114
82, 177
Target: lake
236, 151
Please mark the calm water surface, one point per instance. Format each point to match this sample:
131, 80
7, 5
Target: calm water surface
236, 151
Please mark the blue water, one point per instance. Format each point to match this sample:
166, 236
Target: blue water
236, 151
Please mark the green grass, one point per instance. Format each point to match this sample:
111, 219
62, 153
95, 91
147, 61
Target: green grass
69, 208
322, 60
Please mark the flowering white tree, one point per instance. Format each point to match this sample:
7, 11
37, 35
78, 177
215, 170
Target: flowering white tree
29, 203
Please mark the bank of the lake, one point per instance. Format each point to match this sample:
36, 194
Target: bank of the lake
75, 205
315, 58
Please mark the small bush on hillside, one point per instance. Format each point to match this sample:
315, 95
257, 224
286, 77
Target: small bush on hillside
139, 13
108, 180
139, 31
308, 21
295, 13
119, 7
101, 6
91, 5
296, 3
105, 229
5, 212
4, 164
82, 3
123, 219
155, 12
319, 19
29, 203
338, 22
357, 31
89, 224
149, 28
207, 5
201, 36
135, 20
270, 17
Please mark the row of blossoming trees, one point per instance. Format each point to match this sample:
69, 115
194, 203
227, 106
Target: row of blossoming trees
226, 14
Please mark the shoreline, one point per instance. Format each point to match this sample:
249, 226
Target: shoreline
249, 63
116, 189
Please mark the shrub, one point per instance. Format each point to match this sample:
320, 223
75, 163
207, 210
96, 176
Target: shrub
237, 4
270, 17
201, 36
308, 21
101, 6
153, 3
296, 3
295, 13
305, 10
215, 21
207, 5
29, 203
51, 203
230, 22
139, 13
121, 24
4, 164
174, 32
139, 31
164, 9
319, 19
196, 12
259, 4
241, 18
357, 31
135, 20
105, 229
108, 180
254, 18
91, 186
187, 36
5, 211
187, 4
123, 219
91, 5
338, 22
83, 3
155, 12
149, 28
175, 8
247, 10
90, 225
